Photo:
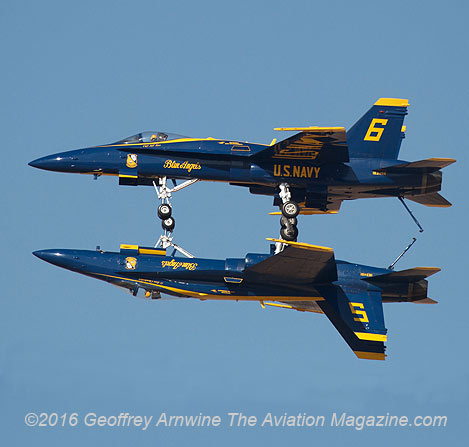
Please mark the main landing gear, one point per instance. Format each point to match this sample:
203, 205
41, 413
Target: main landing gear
164, 193
290, 209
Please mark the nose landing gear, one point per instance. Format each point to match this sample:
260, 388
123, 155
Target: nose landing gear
164, 193
165, 211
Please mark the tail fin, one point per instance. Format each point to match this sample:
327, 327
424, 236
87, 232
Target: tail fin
379, 133
358, 316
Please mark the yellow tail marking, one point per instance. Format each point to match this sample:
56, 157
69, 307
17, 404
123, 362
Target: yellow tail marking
377, 131
355, 309
371, 337
396, 102
370, 355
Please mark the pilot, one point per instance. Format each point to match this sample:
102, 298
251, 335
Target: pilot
162, 136
154, 138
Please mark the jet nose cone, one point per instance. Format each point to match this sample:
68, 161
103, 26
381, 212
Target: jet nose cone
49, 163
52, 256
67, 259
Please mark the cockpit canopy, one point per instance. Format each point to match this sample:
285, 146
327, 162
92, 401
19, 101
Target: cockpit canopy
150, 137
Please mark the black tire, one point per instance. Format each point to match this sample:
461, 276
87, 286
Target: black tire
164, 211
289, 233
290, 209
285, 221
168, 224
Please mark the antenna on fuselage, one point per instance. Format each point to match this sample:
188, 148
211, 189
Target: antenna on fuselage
401, 199
391, 267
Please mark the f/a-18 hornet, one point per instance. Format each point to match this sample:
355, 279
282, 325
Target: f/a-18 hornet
311, 172
301, 276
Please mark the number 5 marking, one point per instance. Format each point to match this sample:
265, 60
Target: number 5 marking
362, 316
378, 131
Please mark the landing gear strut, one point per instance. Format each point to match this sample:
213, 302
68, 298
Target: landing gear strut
165, 212
166, 241
290, 209
164, 193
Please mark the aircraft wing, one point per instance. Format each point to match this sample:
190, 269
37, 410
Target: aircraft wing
298, 263
318, 144
358, 317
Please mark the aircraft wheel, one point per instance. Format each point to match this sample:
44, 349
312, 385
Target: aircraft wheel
285, 221
290, 209
168, 224
164, 211
289, 233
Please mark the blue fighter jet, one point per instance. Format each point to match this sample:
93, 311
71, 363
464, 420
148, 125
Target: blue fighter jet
311, 172
294, 275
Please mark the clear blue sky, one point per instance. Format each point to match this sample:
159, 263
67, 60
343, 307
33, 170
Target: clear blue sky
76, 74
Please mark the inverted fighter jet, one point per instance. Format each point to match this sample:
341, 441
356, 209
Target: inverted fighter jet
302, 277
311, 172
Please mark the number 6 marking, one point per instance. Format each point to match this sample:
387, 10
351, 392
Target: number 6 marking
377, 130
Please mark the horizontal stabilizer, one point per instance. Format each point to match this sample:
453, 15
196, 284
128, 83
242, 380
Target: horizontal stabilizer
425, 301
428, 165
433, 199
297, 263
409, 275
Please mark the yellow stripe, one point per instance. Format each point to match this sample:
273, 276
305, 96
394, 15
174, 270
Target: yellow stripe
371, 337
286, 306
129, 247
312, 129
302, 245
151, 251
173, 289
438, 206
157, 144
395, 102
305, 212
98, 173
258, 298
370, 355
216, 297
128, 176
